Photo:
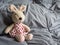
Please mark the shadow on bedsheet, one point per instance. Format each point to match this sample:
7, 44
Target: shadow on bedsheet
6, 17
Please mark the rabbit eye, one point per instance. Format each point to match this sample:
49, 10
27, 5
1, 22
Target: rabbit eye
20, 18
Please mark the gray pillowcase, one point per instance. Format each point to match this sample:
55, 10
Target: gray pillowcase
16, 1
2, 25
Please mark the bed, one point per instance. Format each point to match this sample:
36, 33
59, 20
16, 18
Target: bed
42, 16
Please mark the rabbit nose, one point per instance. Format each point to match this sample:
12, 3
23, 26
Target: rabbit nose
20, 18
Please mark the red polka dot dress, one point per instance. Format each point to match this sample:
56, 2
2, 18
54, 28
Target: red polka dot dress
17, 29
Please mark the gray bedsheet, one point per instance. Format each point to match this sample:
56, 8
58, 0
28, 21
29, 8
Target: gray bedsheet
44, 24
40, 21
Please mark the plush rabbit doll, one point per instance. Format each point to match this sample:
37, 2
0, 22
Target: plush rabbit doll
18, 30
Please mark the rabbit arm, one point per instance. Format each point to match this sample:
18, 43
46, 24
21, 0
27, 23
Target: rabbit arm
9, 28
26, 28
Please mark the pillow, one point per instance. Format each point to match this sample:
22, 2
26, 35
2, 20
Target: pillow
17, 1
46, 3
2, 25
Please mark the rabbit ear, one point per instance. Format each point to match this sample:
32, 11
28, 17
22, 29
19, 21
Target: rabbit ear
13, 8
22, 8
